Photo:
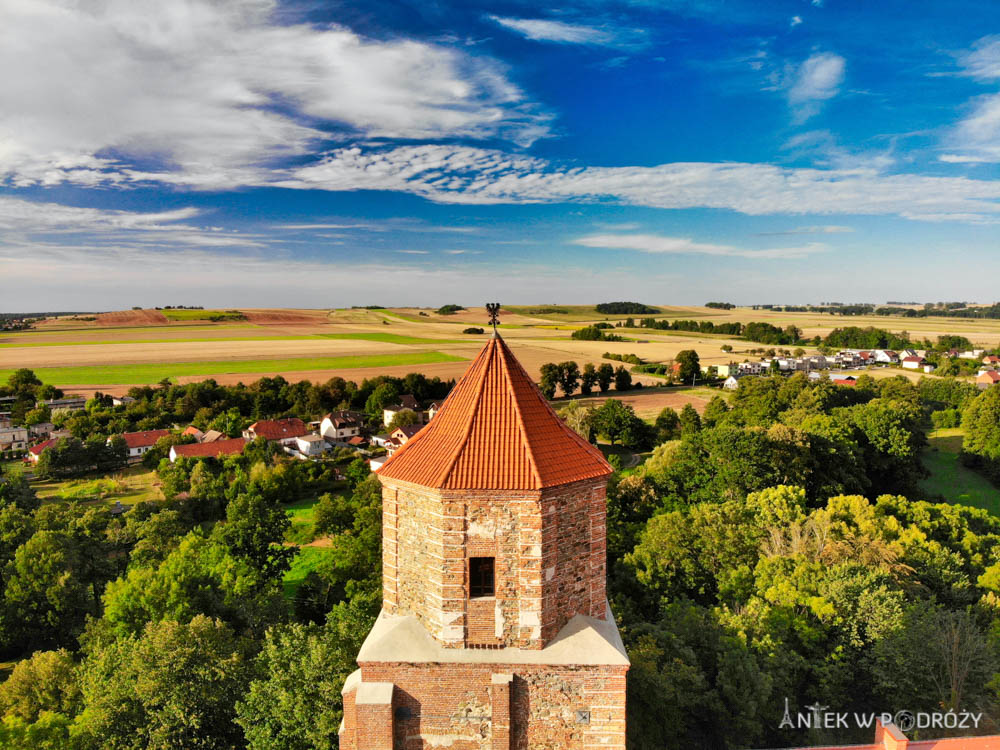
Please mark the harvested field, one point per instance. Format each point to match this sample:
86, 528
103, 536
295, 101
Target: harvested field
272, 317
648, 402
132, 318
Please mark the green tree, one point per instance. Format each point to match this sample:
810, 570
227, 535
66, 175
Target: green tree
579, 418
612, 419
623, 379
588, 379
569, 377
46, 681
175, 685
46, 593
255, 531
689, 366
550, 380
402, 419
715, 411
386, 394
667, 425
23, 382
605, 375
690, 422
296, 704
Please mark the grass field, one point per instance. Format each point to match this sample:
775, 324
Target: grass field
952, 481
306, 561
154, 373
394, 338
202, 314
182, 340
130, 486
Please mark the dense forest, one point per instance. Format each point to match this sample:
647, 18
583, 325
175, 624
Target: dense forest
775, 546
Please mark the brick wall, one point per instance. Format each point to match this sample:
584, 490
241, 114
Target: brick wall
453, 705
549, 549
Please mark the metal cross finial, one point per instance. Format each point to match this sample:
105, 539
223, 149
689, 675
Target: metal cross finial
493, 308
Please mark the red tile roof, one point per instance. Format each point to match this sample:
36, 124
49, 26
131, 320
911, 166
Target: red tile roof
913, 359
144, 439
279, 429
991, 375
496, 431
37, 449
229, 447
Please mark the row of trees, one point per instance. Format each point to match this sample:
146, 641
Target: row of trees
567, 377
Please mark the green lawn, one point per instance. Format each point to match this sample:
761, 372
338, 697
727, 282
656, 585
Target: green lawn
301, 514
952, 481
129, 486
306, 561
133, 374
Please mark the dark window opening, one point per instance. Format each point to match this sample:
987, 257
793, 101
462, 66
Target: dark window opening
481, 576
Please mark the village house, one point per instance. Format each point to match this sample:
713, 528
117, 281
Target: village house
41, 430
885, 356
972, 354
913, 362
751, 368
194, 432
310, 445
406, 403
214, 436
987, 378
381, 440
849, 380
122, 400
227, 447
139, 443
433, 409
340, 426
283, 431
732, 383
991, 359
67, 402
400, 437
35, 451
13, 438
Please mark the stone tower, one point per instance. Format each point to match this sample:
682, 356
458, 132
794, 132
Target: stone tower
495, 632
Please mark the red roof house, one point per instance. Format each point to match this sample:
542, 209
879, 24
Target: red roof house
278, 430
35, 451
140, 442
230, 447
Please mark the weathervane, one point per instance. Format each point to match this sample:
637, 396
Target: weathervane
493, 308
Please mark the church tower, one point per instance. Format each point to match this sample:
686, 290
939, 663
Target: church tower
495, 631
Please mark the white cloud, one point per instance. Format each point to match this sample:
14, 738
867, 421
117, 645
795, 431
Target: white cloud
210, 94
983, 60
817, 79
542, 30
819, 229
796, 20
450, 174
655, 243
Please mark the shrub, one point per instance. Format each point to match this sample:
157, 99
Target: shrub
473, 330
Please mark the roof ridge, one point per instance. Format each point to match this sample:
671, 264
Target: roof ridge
450, 465
532, 460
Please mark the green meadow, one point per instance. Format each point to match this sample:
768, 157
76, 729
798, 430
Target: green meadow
949, 479
131, 374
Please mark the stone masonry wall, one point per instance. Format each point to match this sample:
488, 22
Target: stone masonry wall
551, 708
549, 549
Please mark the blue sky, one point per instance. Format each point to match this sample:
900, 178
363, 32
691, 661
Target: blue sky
316, 154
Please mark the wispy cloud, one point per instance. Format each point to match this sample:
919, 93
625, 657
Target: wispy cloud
464, 175
545, 30
821, 229
976, 137
796, 20
656, 243
815, 80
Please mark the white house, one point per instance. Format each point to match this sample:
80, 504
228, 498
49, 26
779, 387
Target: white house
913, 362
310, 445
406, 403
731, 383
339, 428
139, 443
13, 438
886, 356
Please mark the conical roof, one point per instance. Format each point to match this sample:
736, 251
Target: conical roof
495, 431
